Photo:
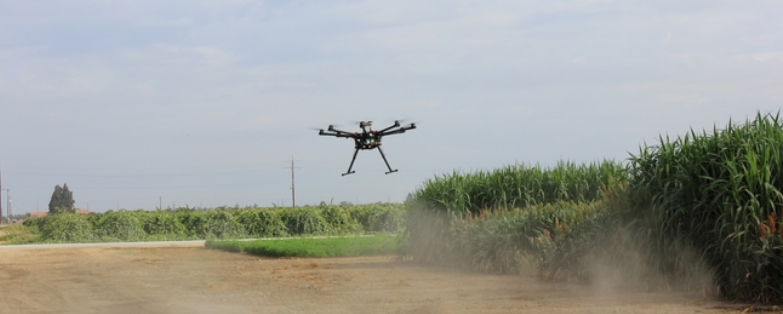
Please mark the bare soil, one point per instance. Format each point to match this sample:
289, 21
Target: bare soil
197, 280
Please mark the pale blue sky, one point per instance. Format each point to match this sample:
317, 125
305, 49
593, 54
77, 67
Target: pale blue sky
203, 102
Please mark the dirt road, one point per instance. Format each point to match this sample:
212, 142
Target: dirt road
196, 280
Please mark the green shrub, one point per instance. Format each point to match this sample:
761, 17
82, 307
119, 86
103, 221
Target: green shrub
120, 226
262, 222
305, 220
339, 220
380, 218
34, 223
162, 224
66, 228
218, 224
189, 223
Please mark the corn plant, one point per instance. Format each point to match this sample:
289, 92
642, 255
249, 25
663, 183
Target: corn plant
445, 200
519, 186
719, 192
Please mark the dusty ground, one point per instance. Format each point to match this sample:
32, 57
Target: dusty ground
196, 280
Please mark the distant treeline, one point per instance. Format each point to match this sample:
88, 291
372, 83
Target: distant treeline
220, 223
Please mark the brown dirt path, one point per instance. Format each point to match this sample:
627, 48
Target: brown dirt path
196, 280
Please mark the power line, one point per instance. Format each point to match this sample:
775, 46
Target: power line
27, 187
135, 175
230, 165
183, 171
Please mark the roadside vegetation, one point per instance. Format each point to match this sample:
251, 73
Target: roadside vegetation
16, 234
312, 247
222, 223
700, 212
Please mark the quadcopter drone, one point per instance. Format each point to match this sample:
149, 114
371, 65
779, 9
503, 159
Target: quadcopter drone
368, 139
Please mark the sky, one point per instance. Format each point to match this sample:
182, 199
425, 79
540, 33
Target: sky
143, 104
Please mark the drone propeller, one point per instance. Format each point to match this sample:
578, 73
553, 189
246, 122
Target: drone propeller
406, 122
400, 122
329, 128
361, 123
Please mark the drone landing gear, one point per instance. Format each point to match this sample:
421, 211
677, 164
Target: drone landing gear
384, 160
382, 156
351, 166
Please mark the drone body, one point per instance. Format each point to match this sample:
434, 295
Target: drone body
368, 139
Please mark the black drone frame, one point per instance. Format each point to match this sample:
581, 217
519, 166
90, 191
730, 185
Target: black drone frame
368, 139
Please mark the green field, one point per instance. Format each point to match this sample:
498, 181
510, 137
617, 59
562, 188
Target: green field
312, 247
220, 223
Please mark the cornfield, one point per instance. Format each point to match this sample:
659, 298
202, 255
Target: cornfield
706, 204
516, 195
720, 193
520, 186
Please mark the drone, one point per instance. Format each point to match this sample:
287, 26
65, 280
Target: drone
368, 139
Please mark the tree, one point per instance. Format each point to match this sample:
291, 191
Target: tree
62, 200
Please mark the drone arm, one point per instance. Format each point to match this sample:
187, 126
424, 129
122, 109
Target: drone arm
396, 124
332, 129
400, 130
336, 134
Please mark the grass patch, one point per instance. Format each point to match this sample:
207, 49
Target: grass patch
312, 247
17, 234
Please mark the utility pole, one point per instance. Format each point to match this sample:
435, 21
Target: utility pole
8, 204
293, 184
1, 196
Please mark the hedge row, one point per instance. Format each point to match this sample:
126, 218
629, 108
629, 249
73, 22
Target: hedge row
221, 223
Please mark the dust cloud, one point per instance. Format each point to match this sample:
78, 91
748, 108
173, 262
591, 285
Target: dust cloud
197, 280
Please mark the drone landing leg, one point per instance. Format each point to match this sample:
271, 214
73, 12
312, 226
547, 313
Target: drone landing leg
351, 166
387, 162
